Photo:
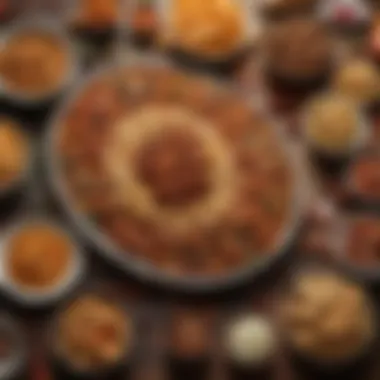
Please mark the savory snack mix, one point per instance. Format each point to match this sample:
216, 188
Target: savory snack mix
172, 172
328, 318
299, 52
39, 256
34, 63
334, 124
93, 333
206, 28
359, 79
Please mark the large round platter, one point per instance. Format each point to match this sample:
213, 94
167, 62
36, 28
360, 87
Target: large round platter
141, 268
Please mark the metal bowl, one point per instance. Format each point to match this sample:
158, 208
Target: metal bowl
32, 298
46, 25
140, 269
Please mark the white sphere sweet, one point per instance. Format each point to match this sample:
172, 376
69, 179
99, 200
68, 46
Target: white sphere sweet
250, 340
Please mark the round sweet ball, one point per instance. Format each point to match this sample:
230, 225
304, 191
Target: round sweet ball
250, 341
359, 79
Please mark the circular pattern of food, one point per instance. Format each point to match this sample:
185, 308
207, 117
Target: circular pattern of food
93, 333
14, 151
34, 62
176, 170
39, 256
328, 318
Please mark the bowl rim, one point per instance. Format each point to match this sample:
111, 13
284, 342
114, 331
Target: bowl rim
39, 298
140, 269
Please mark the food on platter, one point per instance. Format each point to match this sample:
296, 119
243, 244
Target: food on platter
250, 342
178, 167
97, 13
334, 124
34, 63
93, 333
364, 177
38, 256
328, 318
285, 8
14, 153
359, 79
363, 242
206, 28
299, 52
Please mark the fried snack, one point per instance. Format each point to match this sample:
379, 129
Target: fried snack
93, 333
13, 152
39, 256
207, 27
327, 317
360, 80
333, 123
97, 13
34, 63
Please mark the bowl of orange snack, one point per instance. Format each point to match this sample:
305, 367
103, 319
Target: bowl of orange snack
96, 20
93, 337
37, 62
212, 31
40, 262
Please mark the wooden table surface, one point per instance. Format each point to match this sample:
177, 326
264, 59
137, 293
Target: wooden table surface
154, 306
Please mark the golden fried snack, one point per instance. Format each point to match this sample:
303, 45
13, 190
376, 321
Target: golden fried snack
207, 27
34, 63
93, 332
328, 317
39, 256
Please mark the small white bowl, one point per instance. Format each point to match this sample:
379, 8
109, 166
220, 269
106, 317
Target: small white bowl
40, 297
45, 25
